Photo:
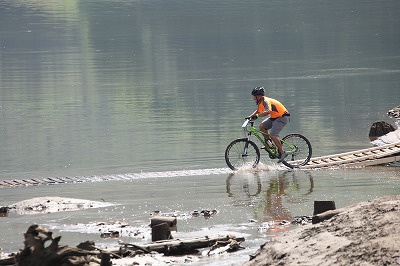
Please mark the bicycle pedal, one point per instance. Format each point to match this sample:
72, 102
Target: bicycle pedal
272, 156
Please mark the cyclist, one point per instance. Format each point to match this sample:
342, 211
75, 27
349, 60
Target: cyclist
278, 118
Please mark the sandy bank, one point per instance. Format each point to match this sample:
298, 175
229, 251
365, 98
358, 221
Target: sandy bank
367, 233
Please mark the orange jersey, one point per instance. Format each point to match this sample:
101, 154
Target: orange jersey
275, 107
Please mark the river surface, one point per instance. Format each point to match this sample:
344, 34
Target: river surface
141, 98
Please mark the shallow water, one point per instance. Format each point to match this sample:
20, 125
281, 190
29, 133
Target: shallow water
140, 99
247, 201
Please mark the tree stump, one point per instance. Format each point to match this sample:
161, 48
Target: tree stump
160, 232
3, 211
323, 206
161, 227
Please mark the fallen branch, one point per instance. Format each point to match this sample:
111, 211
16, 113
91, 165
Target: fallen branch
325, 216
182, 246
37, 253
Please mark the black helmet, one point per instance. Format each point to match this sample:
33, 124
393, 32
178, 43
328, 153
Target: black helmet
258, 91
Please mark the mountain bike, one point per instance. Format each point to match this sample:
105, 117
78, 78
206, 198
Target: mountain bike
244, 152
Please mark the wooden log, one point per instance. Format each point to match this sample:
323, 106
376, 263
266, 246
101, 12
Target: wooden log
325, 216
160, 232
105, 259
170, 221
182, 246
321, 206
38, 253
8, 261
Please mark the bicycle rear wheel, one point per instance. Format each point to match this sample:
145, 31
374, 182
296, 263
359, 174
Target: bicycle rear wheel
299, 149
242, 152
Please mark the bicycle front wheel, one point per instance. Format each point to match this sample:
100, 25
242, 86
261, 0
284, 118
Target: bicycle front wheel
242, 152
299, 149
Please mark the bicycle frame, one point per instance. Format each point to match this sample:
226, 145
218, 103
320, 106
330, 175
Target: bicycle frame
258, 133
273, 152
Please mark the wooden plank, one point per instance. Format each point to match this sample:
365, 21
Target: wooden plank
21, 182
56, 179
366, 162
30, 181
39, 181
11, 183
74, 179
373, 153
379, 161
4, 184
373, 149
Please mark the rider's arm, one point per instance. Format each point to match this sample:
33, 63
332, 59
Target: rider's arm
263, 109
265, 112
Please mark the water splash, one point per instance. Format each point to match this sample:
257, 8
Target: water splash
141, 175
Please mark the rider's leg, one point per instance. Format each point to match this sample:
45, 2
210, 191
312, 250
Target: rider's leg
265, 126
277, 142
277, 126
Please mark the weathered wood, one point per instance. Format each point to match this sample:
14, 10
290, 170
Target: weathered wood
37, 252
325, 216
365, 157
160, 232
170, 221
182, 246
321, 206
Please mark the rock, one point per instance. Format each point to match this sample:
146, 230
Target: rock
379, 129
394, 113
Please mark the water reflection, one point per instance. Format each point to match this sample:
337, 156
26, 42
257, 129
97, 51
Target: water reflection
280, 192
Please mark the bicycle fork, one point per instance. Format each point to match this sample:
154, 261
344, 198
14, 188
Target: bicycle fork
246, 147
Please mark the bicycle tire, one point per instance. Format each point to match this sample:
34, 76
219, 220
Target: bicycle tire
237, 156
300, 154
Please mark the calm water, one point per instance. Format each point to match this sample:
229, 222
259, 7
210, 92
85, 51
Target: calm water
122, 88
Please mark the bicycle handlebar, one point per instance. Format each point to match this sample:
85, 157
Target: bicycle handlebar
246, 121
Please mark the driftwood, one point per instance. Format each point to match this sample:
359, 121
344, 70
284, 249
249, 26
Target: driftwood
325, 215
321, 206
37, 253
183, 246
41, 249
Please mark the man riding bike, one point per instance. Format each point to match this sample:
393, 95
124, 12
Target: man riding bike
278, 118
